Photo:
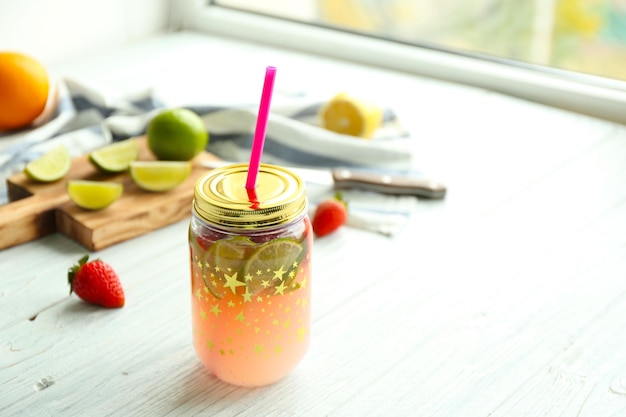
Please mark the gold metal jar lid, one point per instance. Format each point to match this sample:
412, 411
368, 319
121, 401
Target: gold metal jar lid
221, 198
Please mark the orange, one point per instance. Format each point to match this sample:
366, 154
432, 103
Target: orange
24, 86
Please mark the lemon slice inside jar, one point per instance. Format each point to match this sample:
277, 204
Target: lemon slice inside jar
226, 256
273, 264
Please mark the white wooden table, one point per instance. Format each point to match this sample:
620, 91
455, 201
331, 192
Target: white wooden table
508, 298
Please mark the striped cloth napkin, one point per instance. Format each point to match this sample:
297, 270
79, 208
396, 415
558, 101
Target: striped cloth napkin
85, 118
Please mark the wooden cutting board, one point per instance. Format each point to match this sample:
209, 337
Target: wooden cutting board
36, 209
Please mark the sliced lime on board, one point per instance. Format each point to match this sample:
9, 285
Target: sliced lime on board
52, 166
159, 175
115, 157
94, 195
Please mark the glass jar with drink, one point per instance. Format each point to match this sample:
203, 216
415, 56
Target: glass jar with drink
250, 254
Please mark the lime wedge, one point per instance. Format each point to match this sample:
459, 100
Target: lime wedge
94, 195
226, 256
52, 166
272, 264
115, 157
159, 175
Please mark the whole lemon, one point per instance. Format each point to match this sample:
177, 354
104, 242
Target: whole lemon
349, 115
177, 135
24, 86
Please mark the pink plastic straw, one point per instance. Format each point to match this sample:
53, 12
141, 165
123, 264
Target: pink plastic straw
261, 128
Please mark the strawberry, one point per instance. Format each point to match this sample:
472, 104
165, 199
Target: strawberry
329, 216
96, 282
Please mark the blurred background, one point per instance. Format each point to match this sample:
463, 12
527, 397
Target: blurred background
582, 36
58, 30
585, 36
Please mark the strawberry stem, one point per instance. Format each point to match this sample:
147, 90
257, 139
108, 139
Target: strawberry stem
339, 197
71, 273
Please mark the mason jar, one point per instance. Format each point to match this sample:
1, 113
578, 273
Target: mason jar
250, 255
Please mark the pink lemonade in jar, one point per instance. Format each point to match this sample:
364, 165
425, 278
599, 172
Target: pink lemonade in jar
250, 275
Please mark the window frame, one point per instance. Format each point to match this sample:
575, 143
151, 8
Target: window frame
594, 96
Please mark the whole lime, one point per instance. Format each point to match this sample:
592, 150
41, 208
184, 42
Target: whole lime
177, 135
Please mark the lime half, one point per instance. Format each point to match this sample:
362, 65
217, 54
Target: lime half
159, 175
52, 166
273, 264
94, 195
226, 257
115, 157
